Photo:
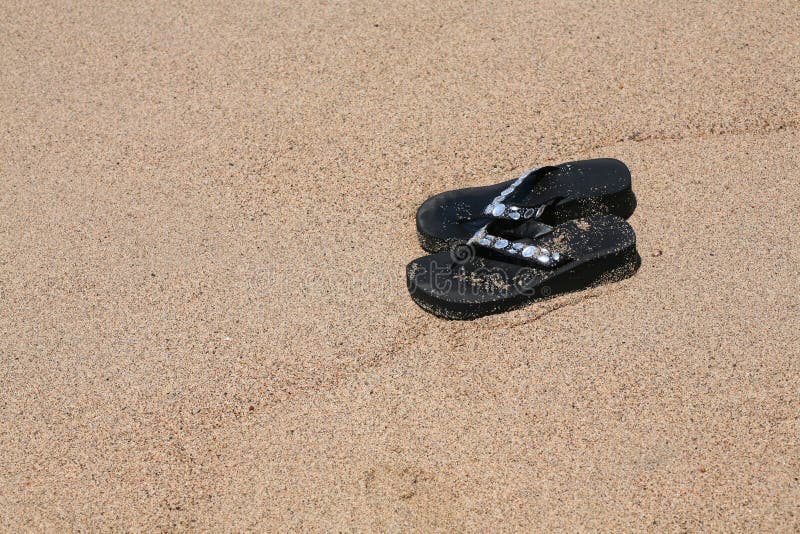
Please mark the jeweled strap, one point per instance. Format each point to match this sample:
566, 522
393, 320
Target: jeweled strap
517, 249
515, 213
500, 210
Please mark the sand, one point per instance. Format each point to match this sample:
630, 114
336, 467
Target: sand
205, 215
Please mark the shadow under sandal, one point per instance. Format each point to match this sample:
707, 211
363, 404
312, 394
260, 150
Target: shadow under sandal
494, 274
550, 195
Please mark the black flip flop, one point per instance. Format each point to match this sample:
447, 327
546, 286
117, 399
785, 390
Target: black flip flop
549, 195
493, 274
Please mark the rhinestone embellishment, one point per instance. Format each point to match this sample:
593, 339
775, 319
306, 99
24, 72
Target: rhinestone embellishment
513, 248
513, 212
494, 207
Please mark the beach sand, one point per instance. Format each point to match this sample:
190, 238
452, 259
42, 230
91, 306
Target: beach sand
205, 215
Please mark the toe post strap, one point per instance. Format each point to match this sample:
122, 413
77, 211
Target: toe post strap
514, 213
523, 250
499, 209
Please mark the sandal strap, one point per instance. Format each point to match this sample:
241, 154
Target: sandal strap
524, 250
499, 210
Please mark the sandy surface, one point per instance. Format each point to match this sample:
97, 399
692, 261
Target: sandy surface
205, 216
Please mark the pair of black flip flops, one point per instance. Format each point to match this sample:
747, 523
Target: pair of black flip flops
553, 230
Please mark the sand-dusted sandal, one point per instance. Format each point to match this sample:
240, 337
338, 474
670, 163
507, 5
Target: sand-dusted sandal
493, 273
549, 195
